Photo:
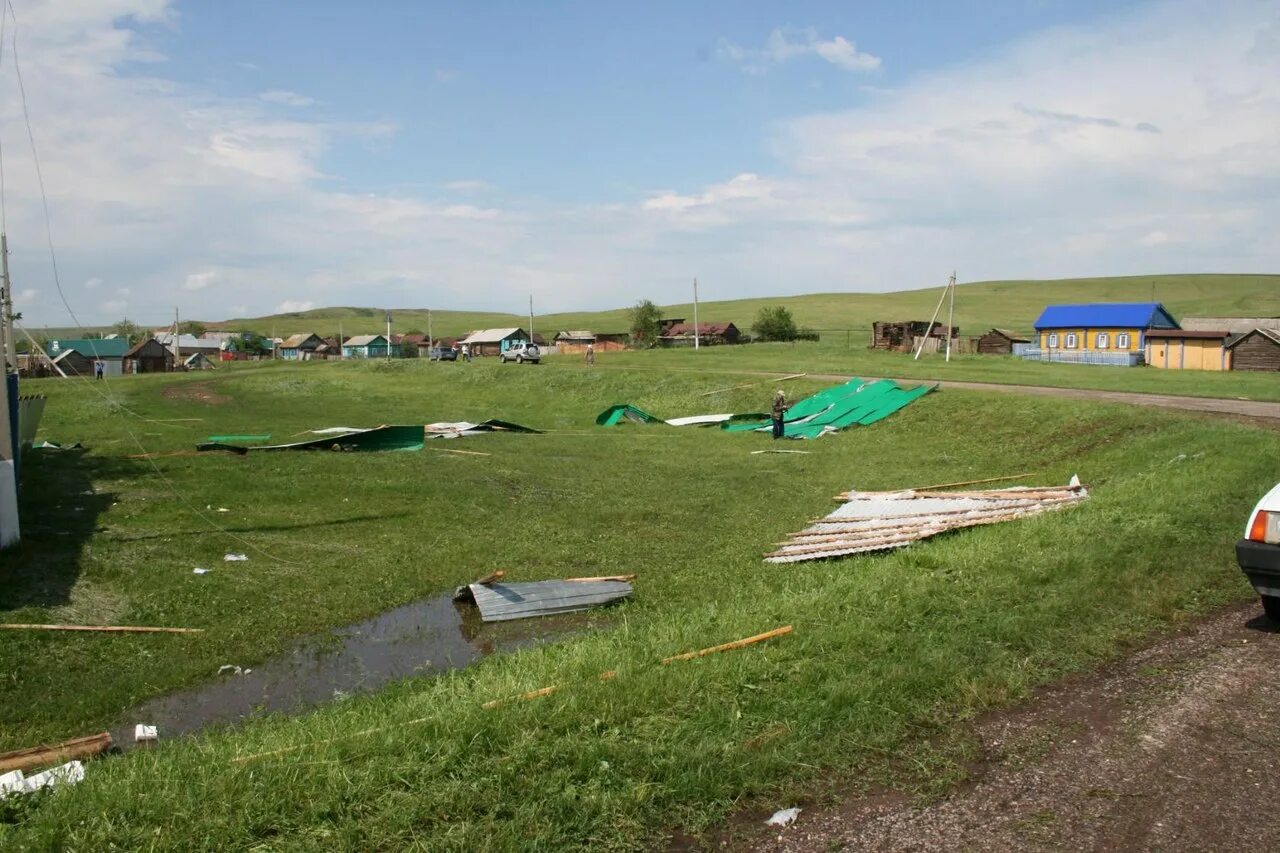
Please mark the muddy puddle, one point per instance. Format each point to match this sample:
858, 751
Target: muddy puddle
426, 637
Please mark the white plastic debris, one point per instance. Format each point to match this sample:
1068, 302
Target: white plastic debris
231, 668
223, 509
236, 558
783, 817
143, 733
199, 571
11, 783
65, 774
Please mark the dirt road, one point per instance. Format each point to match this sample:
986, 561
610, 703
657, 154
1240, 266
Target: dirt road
1175, 748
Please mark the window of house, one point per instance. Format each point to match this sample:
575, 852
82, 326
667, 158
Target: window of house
1103, 340
1053, 341
1071, 340
1122, 340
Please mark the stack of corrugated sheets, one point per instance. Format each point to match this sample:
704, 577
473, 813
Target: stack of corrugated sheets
878, 521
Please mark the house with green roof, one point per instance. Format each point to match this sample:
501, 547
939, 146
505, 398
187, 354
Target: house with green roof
78, 355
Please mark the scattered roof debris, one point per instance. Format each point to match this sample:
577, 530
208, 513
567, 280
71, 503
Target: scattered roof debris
66, 774
379, 438
783, 817
499, 602
855, 403
878, 521
624, 411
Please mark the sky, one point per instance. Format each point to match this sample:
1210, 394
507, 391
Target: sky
237, 158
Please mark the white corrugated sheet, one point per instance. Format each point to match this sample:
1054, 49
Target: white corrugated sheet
879, 521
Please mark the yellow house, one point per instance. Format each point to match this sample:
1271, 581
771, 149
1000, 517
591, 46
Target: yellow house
1107, 327
1179, 349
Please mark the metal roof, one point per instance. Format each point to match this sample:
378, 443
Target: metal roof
1013, 336
1266, 333
189, 342
1232, 324
364, 340
91, 347
576, 335
1136, 315
295, 341
678, 329
491, 336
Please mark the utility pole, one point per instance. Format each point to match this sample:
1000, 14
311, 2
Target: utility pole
530, 318
177, 353
951, 313
342, 353
431, 341
388, 336
697, 332
6, 328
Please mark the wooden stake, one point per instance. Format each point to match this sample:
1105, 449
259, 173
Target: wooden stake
464, 452
491, 578
624, 578
121, 629
39, 756
736, 644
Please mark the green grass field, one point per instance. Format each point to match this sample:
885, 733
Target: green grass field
891, 653
979, 306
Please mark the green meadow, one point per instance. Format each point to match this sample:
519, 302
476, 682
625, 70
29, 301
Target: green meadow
891, 653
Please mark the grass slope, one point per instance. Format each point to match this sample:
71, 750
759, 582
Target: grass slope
889, 652
979, 306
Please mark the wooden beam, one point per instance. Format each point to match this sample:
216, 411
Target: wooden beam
623, 578
754, 384
119, 629
57, 753
736, 644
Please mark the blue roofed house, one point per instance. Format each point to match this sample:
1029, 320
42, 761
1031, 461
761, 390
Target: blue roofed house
1099, 333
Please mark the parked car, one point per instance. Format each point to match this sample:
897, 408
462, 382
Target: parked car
522, 352
442, 354
1258, 553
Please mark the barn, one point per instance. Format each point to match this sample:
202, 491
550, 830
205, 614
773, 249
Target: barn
149, 356
1000, 342
1258, 349
900, 336
494, 341
1182, 349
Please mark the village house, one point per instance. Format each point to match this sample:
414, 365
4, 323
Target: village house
708, 334
574, 341
1113, 333
494, 341
1183, 349
369, 346
79, 354
190, 344
900, 336
300, 347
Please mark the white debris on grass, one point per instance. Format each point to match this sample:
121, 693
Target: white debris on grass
143, 733
66, 774
233, 669
199, 571
236, 558
783, 817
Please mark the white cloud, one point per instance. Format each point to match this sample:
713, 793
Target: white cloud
91, 283
470, 186
199, 280
1154, 238
114, 308
786, 43
289, 306
285, 97
24, 297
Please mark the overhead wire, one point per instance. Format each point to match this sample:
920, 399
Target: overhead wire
57, 281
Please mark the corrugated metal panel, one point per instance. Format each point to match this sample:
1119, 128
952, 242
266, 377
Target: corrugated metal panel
500, 602
1100, 315
880, 521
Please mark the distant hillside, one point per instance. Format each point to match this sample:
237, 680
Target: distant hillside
979, 306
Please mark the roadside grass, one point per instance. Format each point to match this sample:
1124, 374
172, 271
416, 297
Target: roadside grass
889, 651
855, 359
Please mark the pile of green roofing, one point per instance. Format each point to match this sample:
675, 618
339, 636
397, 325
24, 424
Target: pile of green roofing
853, 403
616, 414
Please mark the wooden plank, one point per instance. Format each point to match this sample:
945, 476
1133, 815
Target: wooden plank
622, 578
753, 384
122, 629
57, 753
736, 644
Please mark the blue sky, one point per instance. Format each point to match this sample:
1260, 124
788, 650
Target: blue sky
238, 158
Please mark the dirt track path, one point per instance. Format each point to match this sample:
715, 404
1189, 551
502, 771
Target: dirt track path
1175, 748
1212, 405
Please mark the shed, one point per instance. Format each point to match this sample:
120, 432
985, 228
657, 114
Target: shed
1000, 342
1258, 349
575, 340
109, 351
1182, 349
682, 334
369, 346
301, 347
494, 341
148, 356
73, 363
198, 361
606, 341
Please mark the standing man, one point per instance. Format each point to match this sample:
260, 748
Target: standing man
591, 355
779, 412
98, 369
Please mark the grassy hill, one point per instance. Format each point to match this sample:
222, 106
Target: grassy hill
979, 306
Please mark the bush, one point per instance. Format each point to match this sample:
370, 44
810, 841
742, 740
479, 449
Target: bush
775, 324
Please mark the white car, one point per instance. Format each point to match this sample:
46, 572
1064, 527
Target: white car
1258, 553
522, 352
